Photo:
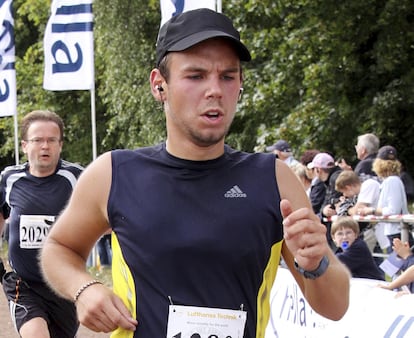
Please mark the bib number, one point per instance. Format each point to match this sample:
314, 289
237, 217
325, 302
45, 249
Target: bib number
34, 230
201, 322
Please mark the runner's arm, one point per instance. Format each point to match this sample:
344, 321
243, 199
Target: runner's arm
69, 243
305, 241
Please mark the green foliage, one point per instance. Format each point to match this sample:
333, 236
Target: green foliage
73, 106
322, 73
126, 32
326, 71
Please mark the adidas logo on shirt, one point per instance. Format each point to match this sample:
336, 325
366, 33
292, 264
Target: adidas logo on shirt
235, 192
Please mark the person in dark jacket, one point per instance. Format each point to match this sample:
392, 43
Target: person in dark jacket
317, 190
353, 250
326, 171
366, 150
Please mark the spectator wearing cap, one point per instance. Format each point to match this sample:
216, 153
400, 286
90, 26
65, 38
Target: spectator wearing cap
392, 199
283, 151
325, 169
317, 190
306, 158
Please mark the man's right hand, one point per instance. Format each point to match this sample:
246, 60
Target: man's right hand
101, 310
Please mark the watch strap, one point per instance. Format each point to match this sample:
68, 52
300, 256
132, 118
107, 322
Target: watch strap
319, 271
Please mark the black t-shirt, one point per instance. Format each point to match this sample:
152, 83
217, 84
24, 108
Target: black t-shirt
32, 205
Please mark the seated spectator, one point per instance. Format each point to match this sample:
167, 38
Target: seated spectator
352, 250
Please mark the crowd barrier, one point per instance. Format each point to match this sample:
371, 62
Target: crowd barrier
405, 221
372, 312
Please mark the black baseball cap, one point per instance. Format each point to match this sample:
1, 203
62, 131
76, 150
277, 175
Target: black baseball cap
387, 153
187, 29
280, 145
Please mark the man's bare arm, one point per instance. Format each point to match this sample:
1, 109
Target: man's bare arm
69, 243
305, 241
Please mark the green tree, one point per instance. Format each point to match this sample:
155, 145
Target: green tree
322, 73
325, 71
126, 32
73, 106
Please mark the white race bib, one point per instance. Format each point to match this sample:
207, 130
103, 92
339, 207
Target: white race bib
34, 230
201, 322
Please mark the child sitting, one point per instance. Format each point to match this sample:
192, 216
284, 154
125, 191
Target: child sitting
352, 250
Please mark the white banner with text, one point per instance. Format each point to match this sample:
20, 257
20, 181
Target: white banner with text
68, 46
8, 99
373, 312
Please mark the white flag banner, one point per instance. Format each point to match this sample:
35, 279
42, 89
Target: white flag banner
68, 46
8, 101
170, 8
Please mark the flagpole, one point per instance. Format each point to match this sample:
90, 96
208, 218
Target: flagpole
94, 254
93, 122
16, 140
219, 8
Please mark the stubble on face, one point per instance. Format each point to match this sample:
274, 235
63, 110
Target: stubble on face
203, 92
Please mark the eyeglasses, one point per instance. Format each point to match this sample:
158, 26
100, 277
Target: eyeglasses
37, 141
346, 233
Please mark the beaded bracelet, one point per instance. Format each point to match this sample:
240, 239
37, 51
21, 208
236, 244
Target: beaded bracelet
84, 287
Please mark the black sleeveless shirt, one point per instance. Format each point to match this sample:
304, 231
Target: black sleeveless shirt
196, 233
